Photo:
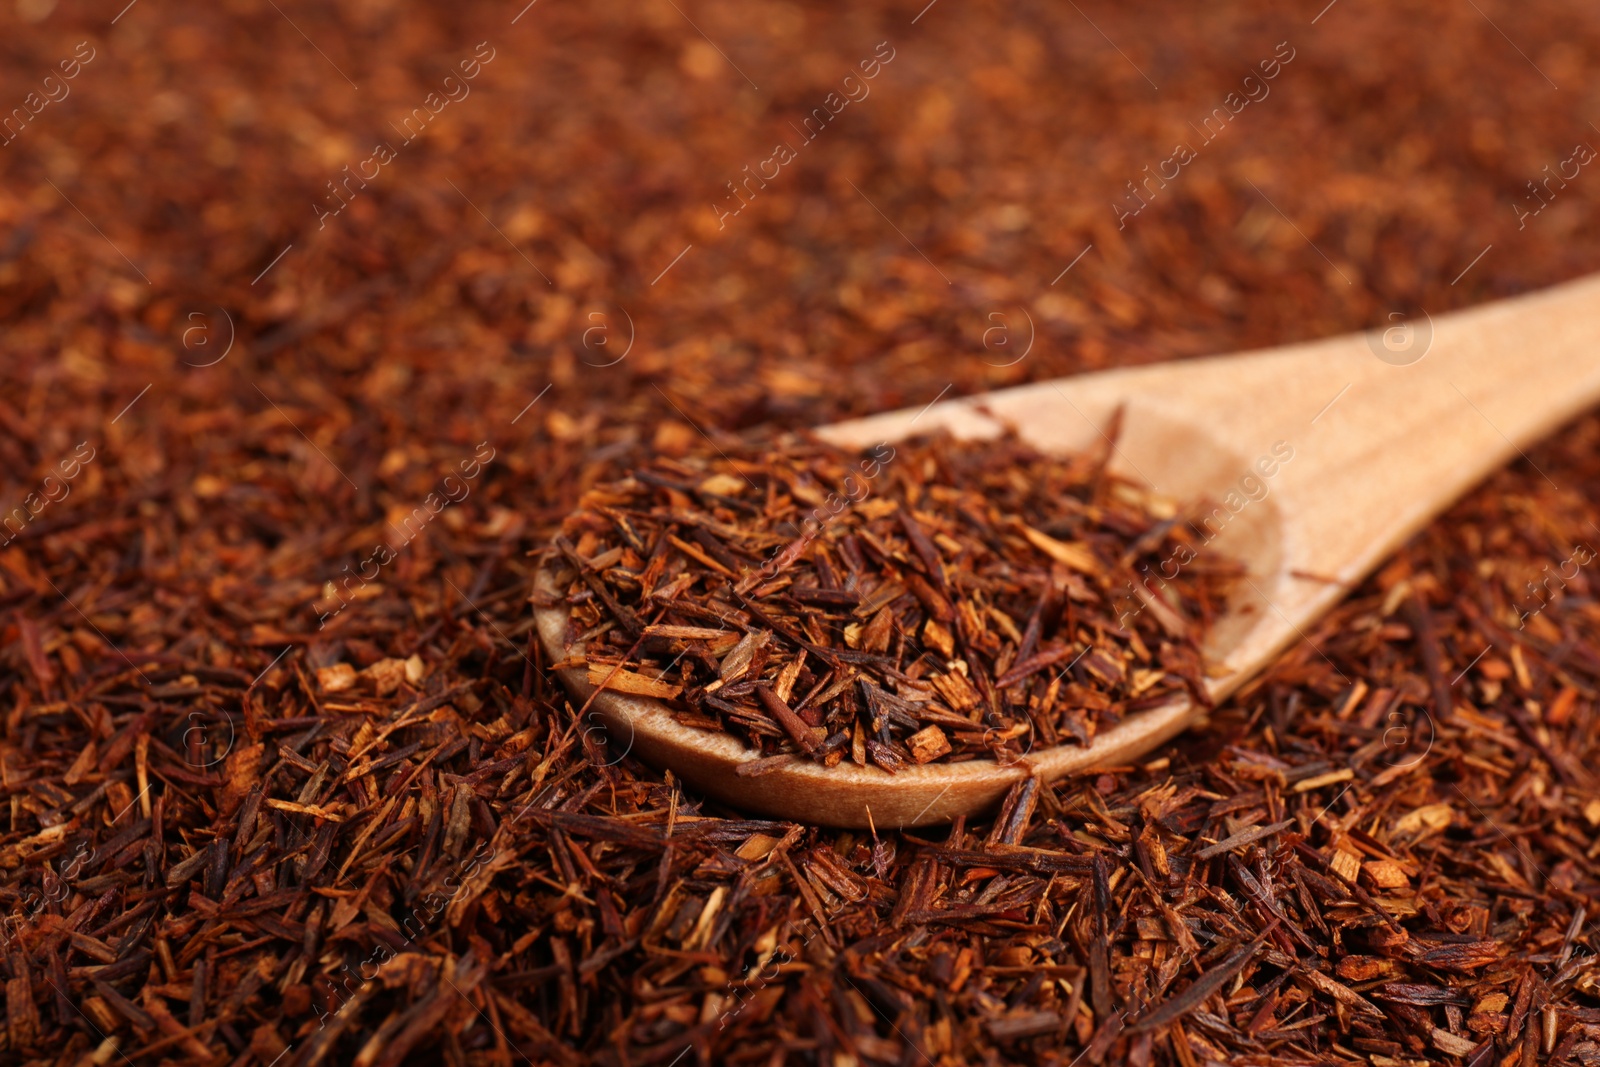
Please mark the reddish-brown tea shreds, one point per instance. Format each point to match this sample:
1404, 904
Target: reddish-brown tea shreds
924, 601
622, 920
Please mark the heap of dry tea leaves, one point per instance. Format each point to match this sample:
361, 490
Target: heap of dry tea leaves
229, 835
927, 600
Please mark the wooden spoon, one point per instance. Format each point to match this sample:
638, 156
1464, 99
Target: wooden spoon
1386, 430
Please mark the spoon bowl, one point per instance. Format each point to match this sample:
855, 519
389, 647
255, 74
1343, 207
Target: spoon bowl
1313, 462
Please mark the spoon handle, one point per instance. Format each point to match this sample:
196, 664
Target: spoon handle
1386, 436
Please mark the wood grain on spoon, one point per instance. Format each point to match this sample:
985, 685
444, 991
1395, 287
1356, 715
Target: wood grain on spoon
1380, 446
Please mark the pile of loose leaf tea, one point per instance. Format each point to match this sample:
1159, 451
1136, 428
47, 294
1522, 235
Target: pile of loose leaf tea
279, 790
923, 601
